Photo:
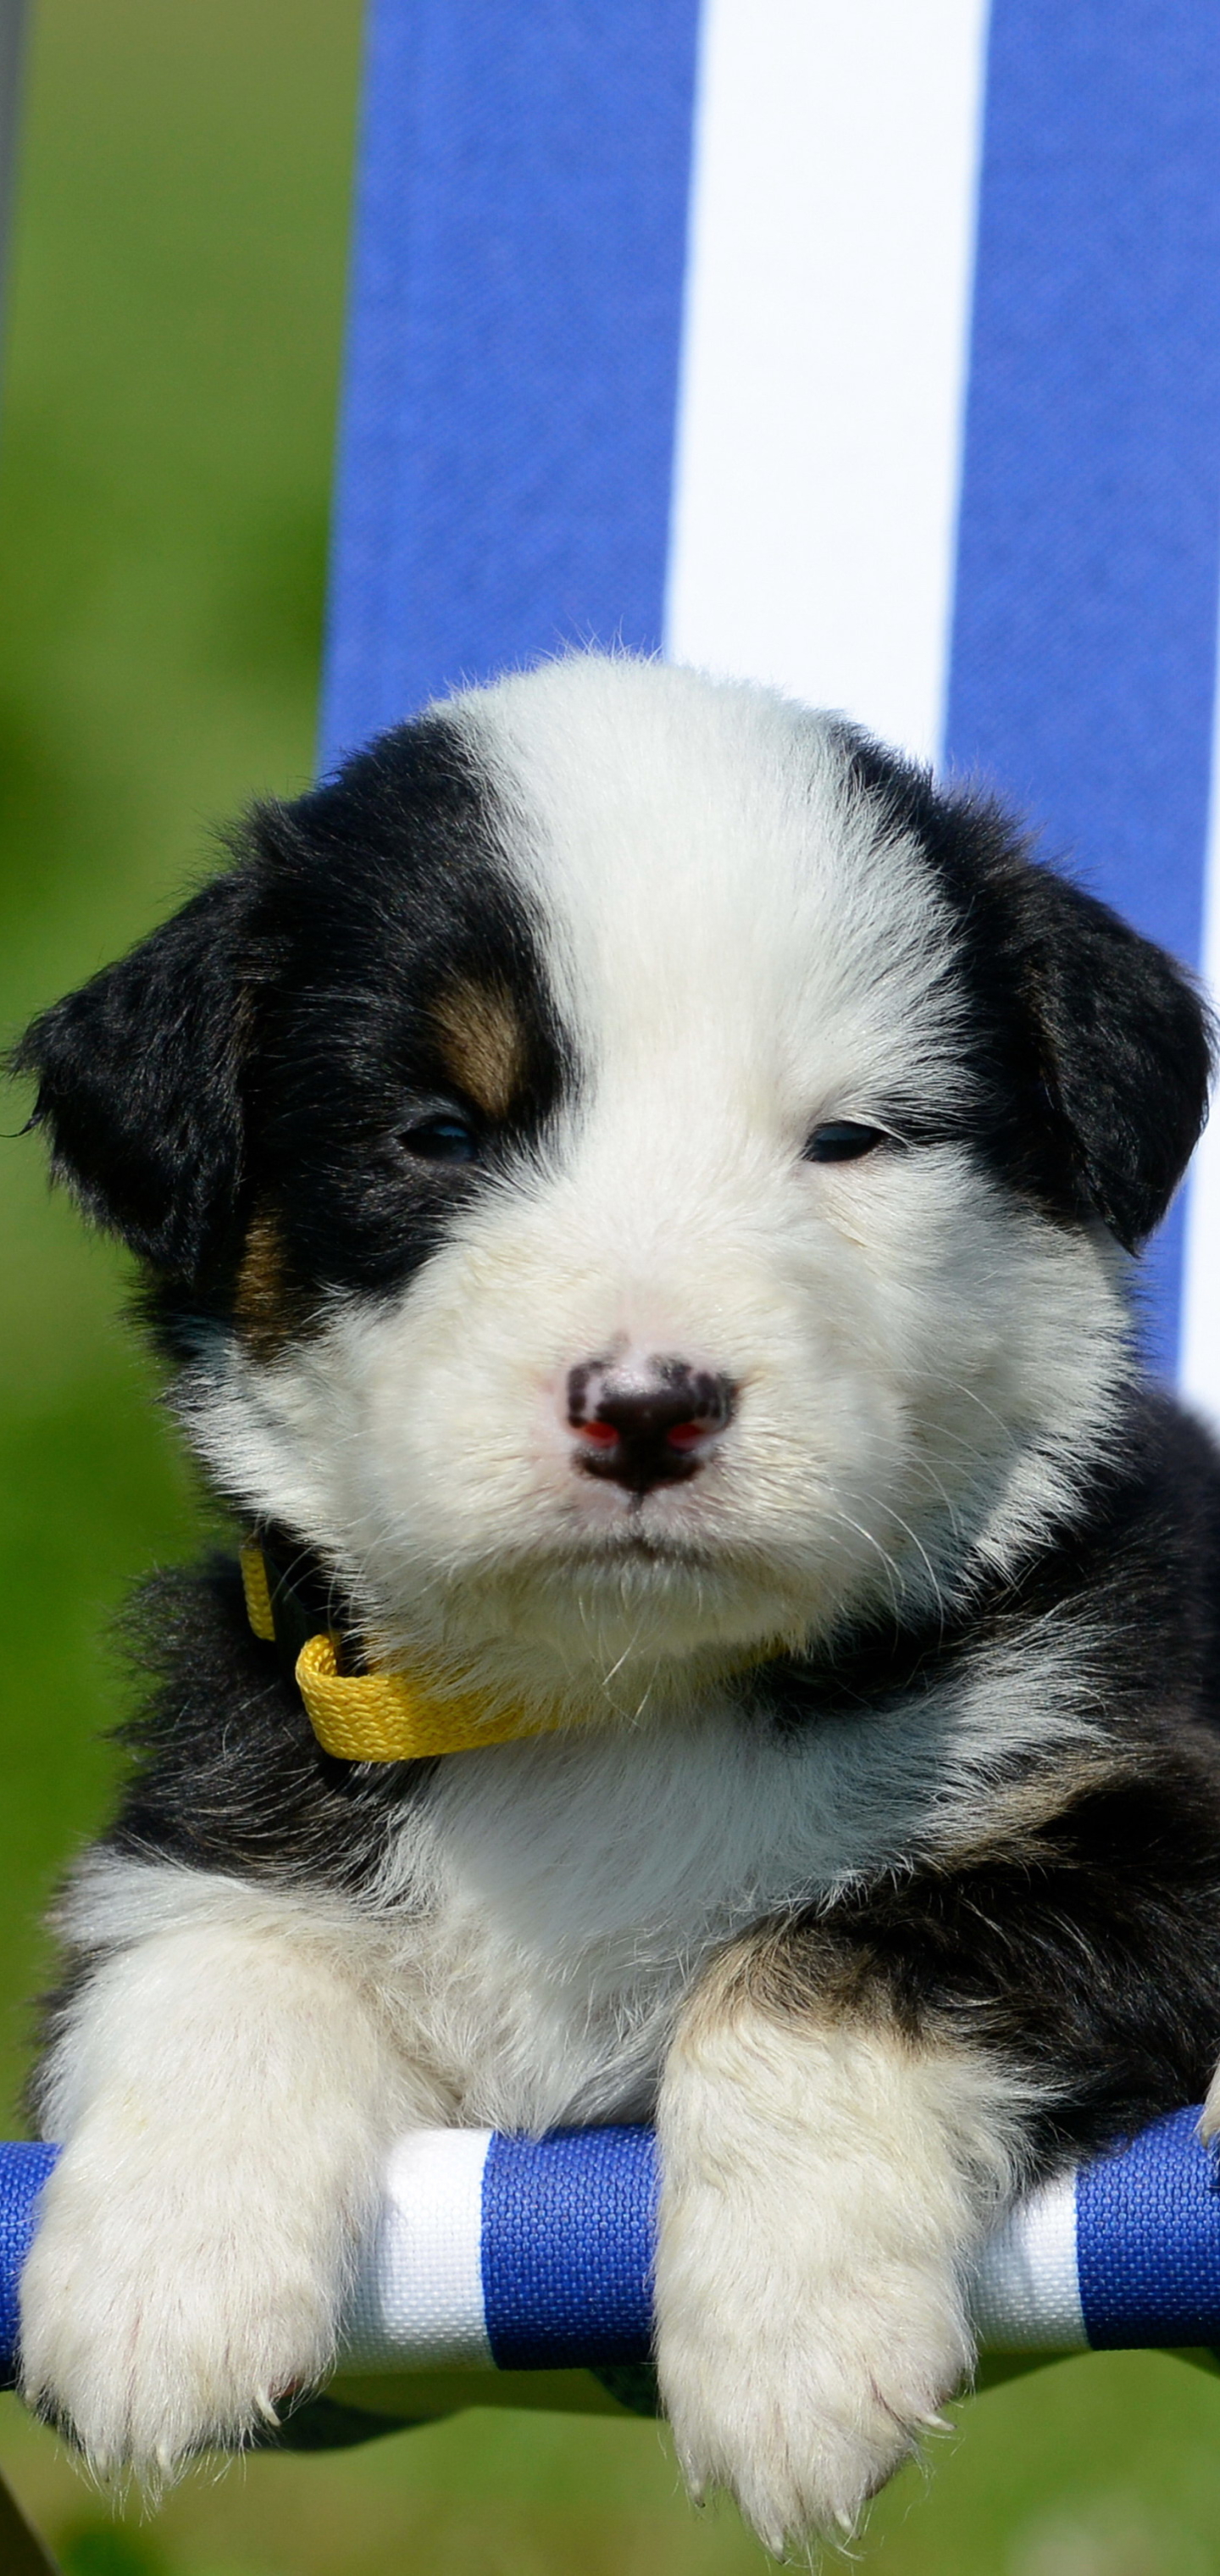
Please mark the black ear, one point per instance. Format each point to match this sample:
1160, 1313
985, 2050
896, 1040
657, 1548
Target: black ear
1125, 1048
139, 1084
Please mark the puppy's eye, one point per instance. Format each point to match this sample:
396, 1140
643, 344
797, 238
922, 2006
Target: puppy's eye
842, 1140
442, 1139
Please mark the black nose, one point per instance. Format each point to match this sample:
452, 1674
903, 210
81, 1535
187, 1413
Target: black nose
647, 1424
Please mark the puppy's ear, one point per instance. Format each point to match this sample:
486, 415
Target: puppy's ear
1126, 1051
139, 1084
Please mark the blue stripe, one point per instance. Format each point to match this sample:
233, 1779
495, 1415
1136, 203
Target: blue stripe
568, 2229
508, 430
1082, 675
23, 2171
1148, 2240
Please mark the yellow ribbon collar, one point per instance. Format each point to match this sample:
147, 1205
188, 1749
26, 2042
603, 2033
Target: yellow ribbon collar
379, 1717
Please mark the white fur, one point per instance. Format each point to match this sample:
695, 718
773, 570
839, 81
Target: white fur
231, 2077
823, 2189
227, 2095
546, 1906
921, 1363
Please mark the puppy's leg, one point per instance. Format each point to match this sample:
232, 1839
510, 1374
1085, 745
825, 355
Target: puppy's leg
1209, 2124
225, 2089
825, 2180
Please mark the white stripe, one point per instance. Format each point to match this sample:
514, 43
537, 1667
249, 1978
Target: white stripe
1025, 2294
832, 236
1199, 1367
418, 2297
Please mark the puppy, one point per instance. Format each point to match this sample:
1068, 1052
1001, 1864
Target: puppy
638, 1190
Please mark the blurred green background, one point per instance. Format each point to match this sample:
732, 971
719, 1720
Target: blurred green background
164, 461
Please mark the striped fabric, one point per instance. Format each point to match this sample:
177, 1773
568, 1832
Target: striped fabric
548, 2246
508, 2253
870, 351
522, 2254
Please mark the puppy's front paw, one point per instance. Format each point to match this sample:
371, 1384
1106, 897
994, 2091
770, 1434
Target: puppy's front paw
823, 2186
163, 2313
1209, 2120
799, 2388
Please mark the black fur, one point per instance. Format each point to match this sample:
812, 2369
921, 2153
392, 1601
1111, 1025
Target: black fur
1134, 1572
1084, 1955
139, 1083
1084, 1946
264, 1056
268, 1048
1090, 1049
386, 886
229, 1774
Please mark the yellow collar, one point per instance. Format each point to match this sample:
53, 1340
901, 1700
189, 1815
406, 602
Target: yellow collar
380, 1717
384, 1717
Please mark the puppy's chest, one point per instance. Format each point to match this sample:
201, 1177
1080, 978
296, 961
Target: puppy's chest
554, 1901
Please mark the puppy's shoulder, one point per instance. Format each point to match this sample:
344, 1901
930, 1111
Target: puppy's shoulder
227, 1773
1125, 1597
1138, 1575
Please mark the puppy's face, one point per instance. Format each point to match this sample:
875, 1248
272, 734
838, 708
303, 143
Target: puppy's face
627, 1167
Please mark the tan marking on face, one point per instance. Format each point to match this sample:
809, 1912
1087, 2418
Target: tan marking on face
482, 1043
267, 1305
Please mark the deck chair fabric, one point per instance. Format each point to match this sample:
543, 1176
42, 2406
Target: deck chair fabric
497, 2264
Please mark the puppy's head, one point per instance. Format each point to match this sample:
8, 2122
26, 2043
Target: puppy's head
631, 1171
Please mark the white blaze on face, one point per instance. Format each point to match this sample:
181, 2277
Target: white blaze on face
736, 954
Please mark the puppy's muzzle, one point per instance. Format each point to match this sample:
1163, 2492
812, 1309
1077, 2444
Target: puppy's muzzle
646, 1423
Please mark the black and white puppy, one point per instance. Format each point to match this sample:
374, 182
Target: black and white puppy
640, 1191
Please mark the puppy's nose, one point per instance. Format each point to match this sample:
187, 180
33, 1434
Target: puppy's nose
646, 1423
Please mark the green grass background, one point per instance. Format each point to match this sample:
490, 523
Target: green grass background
164, 461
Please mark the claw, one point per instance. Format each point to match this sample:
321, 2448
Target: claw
264, 2407
935, 2423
